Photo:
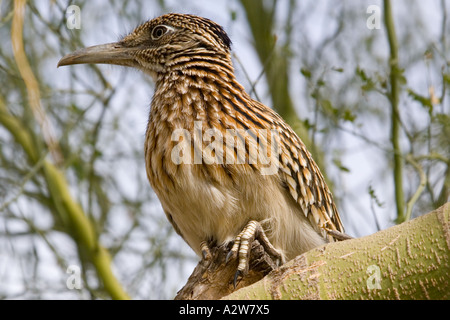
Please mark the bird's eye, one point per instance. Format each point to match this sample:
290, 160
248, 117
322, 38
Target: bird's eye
159, 31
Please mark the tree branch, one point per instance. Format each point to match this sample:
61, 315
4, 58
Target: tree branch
394, 95
69, 210
407, 261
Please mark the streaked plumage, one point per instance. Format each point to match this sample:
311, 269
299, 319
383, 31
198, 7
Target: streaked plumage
189, 59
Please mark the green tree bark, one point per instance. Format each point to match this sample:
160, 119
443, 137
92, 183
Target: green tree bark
407, 261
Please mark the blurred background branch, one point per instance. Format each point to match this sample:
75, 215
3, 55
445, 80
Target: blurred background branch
275, 55
395, 76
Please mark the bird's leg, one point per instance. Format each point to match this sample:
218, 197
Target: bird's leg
242, 243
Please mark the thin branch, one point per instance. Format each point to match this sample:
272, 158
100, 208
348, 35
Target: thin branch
32, 85
28, 177
420, 188
247, 76
394, 95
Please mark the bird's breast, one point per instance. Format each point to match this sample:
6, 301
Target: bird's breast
204, 162
205, 194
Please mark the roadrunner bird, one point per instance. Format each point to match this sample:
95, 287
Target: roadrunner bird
201, 136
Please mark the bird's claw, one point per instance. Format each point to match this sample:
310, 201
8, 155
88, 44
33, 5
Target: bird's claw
236, 276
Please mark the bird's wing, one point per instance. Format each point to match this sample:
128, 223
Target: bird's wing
302, 176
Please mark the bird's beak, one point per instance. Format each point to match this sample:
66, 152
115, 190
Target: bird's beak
110, 53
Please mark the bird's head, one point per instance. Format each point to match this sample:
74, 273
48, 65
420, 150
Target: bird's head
160, 45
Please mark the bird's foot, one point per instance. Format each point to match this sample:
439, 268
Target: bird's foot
242, 244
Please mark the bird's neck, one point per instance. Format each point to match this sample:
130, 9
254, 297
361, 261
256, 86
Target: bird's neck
198, 70
196, 90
